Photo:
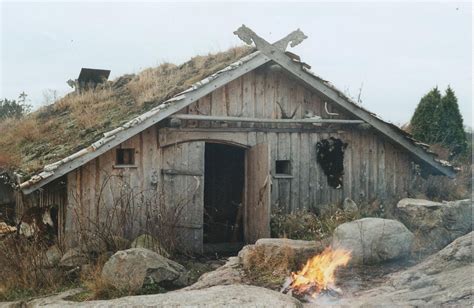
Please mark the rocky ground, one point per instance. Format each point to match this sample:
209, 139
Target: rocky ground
382, 274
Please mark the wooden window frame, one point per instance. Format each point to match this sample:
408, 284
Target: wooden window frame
286, 168
120, 158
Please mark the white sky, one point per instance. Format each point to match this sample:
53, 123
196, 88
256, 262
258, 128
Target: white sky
398, 50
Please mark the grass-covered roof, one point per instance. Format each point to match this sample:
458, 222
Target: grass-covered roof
78, 119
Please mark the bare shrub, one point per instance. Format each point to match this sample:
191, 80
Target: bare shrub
130, 213
25, 270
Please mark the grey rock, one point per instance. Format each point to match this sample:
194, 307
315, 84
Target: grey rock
442, 280
279, 248
229, 273
436, 224
349, 206
374, 240
74, 257
217, 296
132, 268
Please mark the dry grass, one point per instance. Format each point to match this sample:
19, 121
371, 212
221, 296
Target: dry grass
96, 287
267, 269
306, 225
441, 188
24, 270
78, 119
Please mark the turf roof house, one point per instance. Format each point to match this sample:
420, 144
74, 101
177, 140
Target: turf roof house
261, 134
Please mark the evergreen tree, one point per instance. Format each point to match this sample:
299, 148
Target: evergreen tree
424, 123
437, 120
452, 133
13, 108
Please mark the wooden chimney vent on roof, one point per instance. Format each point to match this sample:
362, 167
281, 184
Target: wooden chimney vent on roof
91, 77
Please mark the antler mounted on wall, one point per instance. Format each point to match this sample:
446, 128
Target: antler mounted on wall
248, 36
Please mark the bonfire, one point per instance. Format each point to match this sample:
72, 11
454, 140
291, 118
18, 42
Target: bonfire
318, 275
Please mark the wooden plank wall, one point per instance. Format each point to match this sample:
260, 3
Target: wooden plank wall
99, 189
370, 172
374, 168
263, 93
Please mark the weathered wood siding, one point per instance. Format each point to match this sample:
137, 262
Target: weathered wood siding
169, 162
100, 189
374, 168
262, 93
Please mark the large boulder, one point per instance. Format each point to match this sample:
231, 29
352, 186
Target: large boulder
436, 224
442, 280
218, 296
229, 273
349, 206
374, 240
132, 268
295, 251
74, 257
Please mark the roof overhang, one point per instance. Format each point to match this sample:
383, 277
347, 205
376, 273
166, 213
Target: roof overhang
266, 53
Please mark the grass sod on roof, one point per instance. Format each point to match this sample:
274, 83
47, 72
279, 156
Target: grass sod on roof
78, 119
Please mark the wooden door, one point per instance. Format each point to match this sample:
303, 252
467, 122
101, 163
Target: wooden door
183, 190
257, 193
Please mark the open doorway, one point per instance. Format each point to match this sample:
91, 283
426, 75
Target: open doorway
223, 190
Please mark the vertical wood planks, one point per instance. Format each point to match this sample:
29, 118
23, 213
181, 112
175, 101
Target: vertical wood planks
304, 171
347, 179
295, 151
381, 181
314, 173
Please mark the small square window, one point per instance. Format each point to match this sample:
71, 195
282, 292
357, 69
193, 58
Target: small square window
283, 167
125, 157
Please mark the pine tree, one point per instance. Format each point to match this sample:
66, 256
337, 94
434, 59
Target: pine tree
452, 133
424, 123
437, 120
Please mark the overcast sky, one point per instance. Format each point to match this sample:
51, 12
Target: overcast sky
398, 51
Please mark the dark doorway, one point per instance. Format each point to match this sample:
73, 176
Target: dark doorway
223, 189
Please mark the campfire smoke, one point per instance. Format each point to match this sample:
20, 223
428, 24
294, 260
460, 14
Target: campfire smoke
318, 275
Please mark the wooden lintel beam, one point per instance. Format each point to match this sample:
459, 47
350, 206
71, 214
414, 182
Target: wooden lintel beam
261, 120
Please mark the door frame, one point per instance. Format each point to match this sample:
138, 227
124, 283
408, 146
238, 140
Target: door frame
257, 189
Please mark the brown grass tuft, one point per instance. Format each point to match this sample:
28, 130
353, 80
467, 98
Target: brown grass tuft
267, 269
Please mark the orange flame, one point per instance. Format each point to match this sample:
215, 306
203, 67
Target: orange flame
319, 272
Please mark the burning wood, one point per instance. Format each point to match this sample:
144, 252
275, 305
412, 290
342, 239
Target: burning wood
318, 275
